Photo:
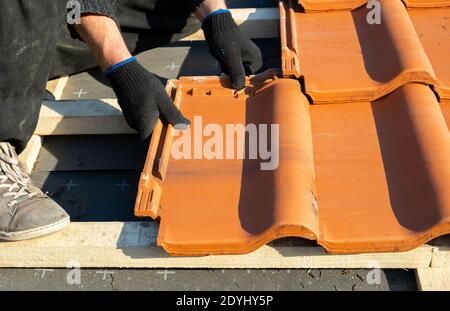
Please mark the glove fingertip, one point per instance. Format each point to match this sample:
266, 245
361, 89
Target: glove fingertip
181, 126
180, 123
239, 84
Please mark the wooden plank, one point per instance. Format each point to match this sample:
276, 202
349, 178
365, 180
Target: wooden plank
56, 86
441, 252
255, 23
441, 257
132, 245
81, 117
433, 279
51, 85
29, 156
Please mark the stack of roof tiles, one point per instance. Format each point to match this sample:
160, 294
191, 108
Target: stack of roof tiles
364, 148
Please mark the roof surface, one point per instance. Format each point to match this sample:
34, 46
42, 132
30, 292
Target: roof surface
364, 165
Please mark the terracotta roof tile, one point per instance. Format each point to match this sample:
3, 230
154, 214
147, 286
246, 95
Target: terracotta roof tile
333, 5
382, 172
426, 3
329, 5
343, 58
232, 206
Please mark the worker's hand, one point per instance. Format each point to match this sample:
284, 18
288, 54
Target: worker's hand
143, 98
237, 54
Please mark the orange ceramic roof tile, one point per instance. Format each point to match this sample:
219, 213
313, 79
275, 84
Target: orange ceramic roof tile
343, 58
382, 170
433, 28
231, 206
330, 5
427, 3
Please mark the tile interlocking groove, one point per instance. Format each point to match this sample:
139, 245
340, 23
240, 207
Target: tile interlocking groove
381, 168
343, 58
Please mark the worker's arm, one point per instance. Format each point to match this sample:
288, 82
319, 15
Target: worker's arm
103, 37
141, 94
237, 54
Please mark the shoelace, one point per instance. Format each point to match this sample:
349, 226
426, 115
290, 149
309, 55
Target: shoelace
10, 170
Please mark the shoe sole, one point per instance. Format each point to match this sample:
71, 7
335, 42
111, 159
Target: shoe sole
36, 232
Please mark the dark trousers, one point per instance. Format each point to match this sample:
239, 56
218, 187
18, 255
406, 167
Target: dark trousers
36, 44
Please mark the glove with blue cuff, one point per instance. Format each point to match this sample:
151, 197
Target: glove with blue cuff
237, 54
143, 99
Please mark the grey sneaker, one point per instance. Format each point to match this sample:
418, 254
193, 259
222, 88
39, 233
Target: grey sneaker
25, 211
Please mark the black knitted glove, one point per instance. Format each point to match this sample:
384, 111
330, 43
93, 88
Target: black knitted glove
237, 54
143, 99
